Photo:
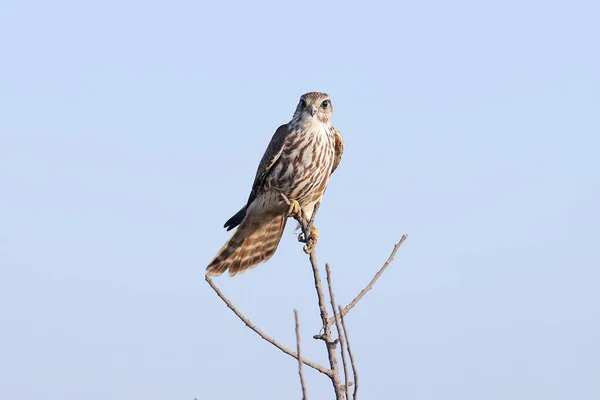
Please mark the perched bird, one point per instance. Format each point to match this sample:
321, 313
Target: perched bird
298, 162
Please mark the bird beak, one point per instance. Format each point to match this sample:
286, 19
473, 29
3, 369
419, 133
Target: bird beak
312, 111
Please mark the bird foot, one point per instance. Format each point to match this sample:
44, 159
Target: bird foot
311, 240
294, 211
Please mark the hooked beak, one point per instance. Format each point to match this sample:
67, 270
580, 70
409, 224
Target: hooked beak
312, 110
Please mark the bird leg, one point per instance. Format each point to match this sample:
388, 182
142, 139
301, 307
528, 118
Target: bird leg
311, 240
294, 210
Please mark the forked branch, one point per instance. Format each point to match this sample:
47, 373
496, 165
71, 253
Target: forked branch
338, 319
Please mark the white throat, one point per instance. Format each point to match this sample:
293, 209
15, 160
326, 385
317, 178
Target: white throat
314, 125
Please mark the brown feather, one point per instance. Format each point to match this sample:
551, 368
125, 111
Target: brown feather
339, 149
269, 159
249, 246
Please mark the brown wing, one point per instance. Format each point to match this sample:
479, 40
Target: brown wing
339, 149
269, 159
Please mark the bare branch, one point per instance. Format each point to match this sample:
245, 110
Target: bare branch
333, 363
300, 371
339, 329
327, 338
339, 313
351, 305
354, 372
263, 335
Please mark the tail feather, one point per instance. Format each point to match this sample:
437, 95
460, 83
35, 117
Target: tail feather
236, 219
251, 244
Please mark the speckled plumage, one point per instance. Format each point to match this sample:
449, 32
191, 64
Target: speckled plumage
298, 162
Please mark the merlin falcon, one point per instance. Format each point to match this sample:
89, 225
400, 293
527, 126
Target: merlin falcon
298, 163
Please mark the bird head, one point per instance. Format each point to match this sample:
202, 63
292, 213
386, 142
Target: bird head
314, 105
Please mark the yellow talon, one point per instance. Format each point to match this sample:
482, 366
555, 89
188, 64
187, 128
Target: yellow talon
311, 241
294, 210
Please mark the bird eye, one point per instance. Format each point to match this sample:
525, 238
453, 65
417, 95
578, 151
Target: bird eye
302, 103
325, 103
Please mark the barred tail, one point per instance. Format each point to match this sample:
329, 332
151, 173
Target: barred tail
252, 243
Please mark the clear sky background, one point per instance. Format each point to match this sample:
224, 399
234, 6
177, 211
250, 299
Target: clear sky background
131, 130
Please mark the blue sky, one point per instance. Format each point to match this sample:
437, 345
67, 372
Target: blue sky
130, 131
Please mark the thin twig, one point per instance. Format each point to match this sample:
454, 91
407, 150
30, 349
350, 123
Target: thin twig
339, 329
349, 307
354, 372
263, 335
300, 371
